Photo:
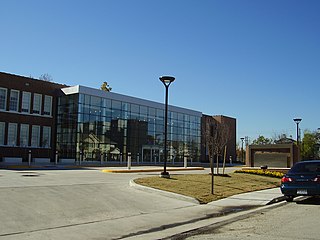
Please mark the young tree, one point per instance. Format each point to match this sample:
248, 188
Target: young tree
209, 144
216, 138
261, 140
221, 138
105, 87
310, 146
46, 77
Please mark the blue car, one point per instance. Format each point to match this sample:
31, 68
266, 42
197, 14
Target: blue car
303, 179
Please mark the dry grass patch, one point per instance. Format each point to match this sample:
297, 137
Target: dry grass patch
199, 185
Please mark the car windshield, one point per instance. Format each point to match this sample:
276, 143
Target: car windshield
304, 167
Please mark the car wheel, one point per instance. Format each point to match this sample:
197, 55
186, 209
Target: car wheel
289, 198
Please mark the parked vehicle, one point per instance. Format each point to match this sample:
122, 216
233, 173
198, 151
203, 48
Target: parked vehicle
303, 179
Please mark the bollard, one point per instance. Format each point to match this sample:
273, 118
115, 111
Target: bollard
56, 158
120, 158
129, 160
138, 158
101, 158
80, 160
29, 158
185, 162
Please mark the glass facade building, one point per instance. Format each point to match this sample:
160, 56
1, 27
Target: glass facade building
93, 125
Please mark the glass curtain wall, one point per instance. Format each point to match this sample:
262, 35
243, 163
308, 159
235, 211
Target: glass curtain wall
101, 129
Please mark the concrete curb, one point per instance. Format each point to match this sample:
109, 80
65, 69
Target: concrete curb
151, 170
164, 193
183, 232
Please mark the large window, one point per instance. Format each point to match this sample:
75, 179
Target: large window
24, 135
26, 98
35, 137
46, 136
3, 98
37, 99
14, 100
12, 134
47, 108
2, 128
101, 128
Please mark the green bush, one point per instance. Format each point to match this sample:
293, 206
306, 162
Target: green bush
262, 173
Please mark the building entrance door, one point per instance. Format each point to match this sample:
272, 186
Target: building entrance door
151, 154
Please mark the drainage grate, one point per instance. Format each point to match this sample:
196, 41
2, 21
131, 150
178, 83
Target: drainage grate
30, 174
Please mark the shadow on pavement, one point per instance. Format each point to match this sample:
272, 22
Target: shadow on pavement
309, 201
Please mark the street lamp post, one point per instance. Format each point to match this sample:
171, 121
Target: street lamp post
166, 80
297, 121
242, 149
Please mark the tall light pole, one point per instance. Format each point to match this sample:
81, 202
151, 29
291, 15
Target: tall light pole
166, 80
242, 148
297, 121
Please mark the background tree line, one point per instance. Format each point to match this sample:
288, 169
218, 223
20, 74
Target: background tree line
309, 146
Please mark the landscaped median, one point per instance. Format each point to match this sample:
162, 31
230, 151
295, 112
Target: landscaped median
137, 170
198, 186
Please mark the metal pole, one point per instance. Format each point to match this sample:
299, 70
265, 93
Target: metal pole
29, 158
242, 150
165, 133
56, 158
297, 133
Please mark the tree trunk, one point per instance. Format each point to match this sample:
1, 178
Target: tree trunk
224, 158
217, 164
212, 173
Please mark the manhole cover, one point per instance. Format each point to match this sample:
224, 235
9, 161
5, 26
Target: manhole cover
30, 175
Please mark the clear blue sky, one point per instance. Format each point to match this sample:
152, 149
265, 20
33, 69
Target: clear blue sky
257, 61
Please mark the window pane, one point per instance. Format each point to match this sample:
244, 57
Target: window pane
37, 103
95, 101
12, 134
46, 135
2, 127
3, 98
47, 108
143, 110
116, 104
14, 100
35, 137
24, 135
26, 97
135, 108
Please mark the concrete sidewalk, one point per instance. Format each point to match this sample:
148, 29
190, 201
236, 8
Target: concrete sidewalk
216, 212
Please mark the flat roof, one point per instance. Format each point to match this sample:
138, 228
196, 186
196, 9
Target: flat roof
79, 89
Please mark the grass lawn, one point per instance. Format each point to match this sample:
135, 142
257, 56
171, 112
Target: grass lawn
199, 185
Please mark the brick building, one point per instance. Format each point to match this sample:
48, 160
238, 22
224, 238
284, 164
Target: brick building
27, 118
230, 124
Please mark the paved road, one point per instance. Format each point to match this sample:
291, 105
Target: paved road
297, 220
72, 204
90, 204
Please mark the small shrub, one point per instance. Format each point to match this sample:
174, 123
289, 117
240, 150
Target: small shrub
262, 173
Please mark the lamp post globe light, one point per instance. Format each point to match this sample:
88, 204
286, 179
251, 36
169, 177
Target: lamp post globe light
166, 80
